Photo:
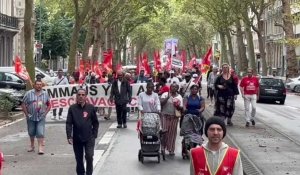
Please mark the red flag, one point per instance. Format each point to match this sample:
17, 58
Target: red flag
157, 61
107, 62
183, 59
146, 64
20, 70
96, 68
169, 63
192, 62
207, 58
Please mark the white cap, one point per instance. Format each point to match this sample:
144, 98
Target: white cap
195, 75
171, 71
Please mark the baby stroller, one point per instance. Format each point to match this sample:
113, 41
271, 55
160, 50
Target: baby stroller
149, 134
191, 130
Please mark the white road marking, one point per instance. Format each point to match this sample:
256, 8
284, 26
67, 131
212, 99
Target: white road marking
8, 124
113, 126
97, 156
292, 107
107, 137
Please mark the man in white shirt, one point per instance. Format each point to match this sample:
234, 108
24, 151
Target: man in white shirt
172, 79
185, 85
59, 80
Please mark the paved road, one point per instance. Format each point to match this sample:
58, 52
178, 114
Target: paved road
122, 157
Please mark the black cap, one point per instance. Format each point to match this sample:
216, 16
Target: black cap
217, 121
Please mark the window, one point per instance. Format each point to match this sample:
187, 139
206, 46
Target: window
11, 77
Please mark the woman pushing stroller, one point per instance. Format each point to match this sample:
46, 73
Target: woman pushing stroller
149, 126
193, 121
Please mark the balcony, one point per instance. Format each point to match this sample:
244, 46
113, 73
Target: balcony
8, 21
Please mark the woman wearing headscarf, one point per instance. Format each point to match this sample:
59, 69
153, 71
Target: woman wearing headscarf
227, 92
170, 101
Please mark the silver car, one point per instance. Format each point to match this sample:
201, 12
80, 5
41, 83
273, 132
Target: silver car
293, 84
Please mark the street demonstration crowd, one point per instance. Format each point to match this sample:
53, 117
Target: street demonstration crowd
171, 98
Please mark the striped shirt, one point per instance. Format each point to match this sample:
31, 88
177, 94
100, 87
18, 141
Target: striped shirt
36, 104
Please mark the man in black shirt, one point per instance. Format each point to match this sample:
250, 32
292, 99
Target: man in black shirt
82, 130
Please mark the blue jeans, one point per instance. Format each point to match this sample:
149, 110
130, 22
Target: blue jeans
36, 128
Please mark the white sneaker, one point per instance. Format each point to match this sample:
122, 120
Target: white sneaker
60, 118
53, 117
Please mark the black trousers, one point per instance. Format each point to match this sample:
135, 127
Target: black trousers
121, 113
59, 112
87, 148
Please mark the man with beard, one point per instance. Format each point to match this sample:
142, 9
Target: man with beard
82, 129
121, 95
249, 88
215, 157
36, 105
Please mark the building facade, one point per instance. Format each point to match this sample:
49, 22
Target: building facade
8, 29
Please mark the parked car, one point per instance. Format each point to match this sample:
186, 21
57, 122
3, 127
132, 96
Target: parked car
11, 81
271, 89
14, 96
293, 84
45, 77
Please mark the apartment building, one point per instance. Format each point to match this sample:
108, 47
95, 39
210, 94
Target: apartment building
8, 29
11, 30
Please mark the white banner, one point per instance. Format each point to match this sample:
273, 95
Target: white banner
62, 96
177, 63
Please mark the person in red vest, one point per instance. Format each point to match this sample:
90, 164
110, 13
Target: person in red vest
215, 157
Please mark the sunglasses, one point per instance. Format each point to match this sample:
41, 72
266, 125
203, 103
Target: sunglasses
81, 94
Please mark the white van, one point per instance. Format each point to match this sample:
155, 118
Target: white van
46, 78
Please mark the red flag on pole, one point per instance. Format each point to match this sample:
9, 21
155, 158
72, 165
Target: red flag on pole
157, 61
107, 61
146, 64
20, 70
192, 62
207, 58
183, 59
169, 63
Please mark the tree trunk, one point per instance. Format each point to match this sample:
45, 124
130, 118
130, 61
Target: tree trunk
242, 61
228, 36
250, 47
124, 61
189, 53
73, 48
224, 58
29, 63
195, 51
97, 40
88, 39
292, 66
79, 19
262, 48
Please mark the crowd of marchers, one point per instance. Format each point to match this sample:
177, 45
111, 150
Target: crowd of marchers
172, 97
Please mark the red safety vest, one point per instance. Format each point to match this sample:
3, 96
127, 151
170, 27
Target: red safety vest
225, 167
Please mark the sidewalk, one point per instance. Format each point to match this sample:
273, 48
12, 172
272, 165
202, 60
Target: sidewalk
264, 150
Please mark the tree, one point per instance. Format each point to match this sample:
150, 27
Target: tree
292, 68
258, 7
29, 63
81, 11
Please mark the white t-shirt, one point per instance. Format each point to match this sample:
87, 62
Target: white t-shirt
60, 81
173, 80
186, 86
